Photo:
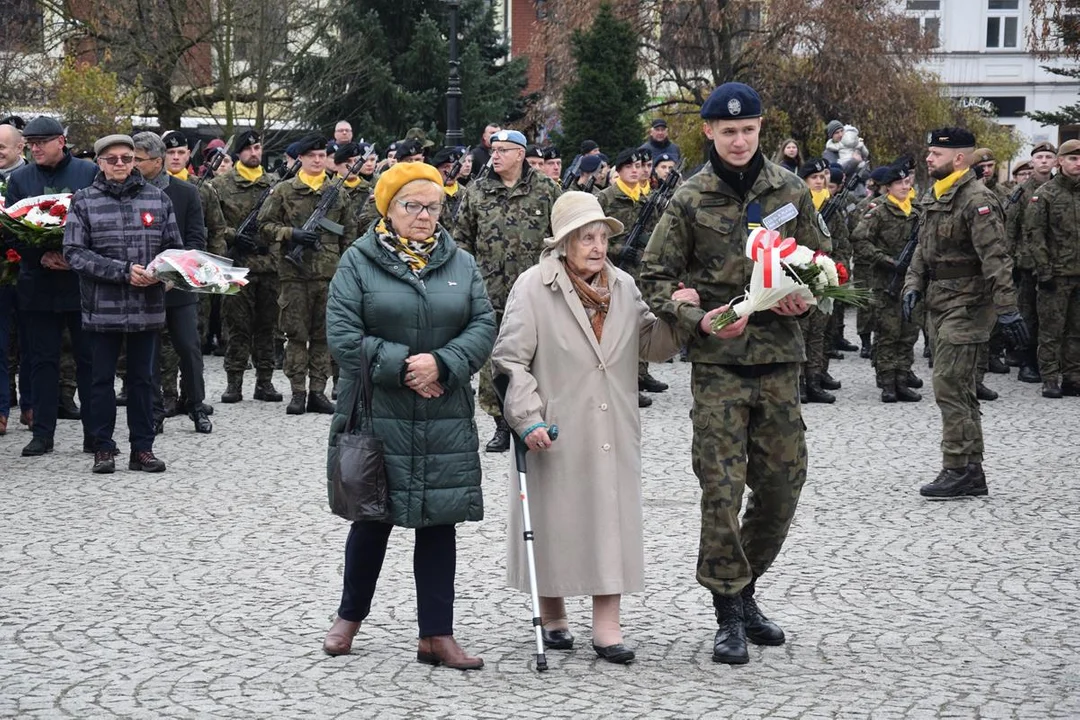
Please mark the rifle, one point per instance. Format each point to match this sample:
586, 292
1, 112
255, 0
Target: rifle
903, 261
1014, 197
318, 219
589, 185
243, 241
837, 201
455, 169
658, 198
210, 167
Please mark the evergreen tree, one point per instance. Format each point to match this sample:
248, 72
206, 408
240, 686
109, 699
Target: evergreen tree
1065, 115
605, 100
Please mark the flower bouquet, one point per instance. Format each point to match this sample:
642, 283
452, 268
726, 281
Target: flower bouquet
783, 267
9, 267
38, 221
197, 271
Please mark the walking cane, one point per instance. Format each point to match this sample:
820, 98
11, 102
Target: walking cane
501, 383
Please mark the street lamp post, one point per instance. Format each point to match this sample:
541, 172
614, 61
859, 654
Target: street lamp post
454, 135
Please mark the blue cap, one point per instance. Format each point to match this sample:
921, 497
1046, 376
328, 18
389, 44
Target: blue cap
879, 174
836, 174
293, 150
732, 101
589, 163
512, 136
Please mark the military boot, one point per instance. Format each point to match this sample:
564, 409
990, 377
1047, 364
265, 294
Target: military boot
864, 350
912, 380
817, 394
264, 388
904, 393
1051, 389
1029, 374
500, 441
317, 403
729, 644
67, 409
298, 404
833, 354
760, 630
887, 383
234, 388
997, 366
829, 382
954, 483
844, 345
984, 393
1070, 388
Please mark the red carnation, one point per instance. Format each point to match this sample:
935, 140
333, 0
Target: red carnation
842, 273
58, 210
12, 256
46, 204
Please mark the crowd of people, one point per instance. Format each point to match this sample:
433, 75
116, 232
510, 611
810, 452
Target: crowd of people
419, 270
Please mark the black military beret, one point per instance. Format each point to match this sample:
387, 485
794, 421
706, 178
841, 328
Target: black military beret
589, 163
245, 140
13, 120
551, 153
892, 174
308, 143
446, 156
588, 146
836, 174
812, 167
950, 137
408, 148
174, 139
629, 156
604, 158
346, 152
332, 147
662, 157
905, 161
534, 151
879, 174
391, 148
732, 101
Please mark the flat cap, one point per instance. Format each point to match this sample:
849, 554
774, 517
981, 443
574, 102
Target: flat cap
174, 139
892, 174
732, 101
813, 166
245, 140
510, 136
1069, 147
589, 164
950, 137
43, 126
1044, 146
109, 140
659, 122
982, 155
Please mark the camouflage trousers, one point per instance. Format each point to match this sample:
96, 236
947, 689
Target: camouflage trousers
814, 327
249, 319
954, 392
748, 432
489, 401
836, 325
894, 339
303, 320
1059, 331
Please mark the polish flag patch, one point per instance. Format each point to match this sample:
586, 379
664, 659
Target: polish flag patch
984, 210
1034, 198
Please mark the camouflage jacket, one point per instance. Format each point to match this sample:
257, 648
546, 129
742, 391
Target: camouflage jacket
289, 206
961, 265
619, 205
1017, 240
451, 203
700, 240
861, 208
214, 219
238, 198
356, 201
880, 236
504, 228
839, 242
1052, 226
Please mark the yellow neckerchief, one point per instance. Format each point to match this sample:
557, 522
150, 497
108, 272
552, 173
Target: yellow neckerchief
942, 186
904, 204
820, 197
415, 253
351, 182
452, 189
249, 174
634, 193
645, 186
911, 193
182, 175
312, 181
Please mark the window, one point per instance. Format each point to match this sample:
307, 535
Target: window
924, 20
262, 35
23, 27
1003, 24
924, 5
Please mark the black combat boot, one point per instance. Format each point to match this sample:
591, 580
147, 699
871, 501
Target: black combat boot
864, 351
844, 345
978, 479
643, 400
648, 383
202, 422
500, 441
67, 409
234, 388
1070, 388
265, 390
38, 446
953, 483
829, 382
145, 461
760, 630
817, 394
912, 380
997, 366
887, 383
729, 644
171, 406
984, 393
298, 404
1051, 389
1029, 374
904, 393
318, 403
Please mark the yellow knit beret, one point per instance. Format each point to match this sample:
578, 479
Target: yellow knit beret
397, 177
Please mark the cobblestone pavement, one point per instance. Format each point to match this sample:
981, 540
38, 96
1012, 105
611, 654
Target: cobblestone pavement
205, 592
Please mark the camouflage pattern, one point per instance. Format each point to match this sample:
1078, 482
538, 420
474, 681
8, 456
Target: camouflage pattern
748, 432
169, 360
237, 197
1050, 224
369, 214
864, 316
216, 227
620, 206
303, 320
451, 206
1023, 263
963, 270
813, 326
356, 199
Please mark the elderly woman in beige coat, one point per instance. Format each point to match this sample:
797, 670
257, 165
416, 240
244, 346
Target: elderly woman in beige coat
573, 331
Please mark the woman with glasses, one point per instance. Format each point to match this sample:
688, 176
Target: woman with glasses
407, 301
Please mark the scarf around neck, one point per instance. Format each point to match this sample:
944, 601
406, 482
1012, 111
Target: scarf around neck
312, 181
633, 192
904, 204
249, 174
820, 197
414, 253
943, 185
182, 175
595, 297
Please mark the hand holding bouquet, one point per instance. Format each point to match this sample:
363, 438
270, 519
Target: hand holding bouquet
38, 221
197, 271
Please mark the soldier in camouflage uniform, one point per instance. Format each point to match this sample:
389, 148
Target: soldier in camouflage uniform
504, 218
991, 356
839, 227
444, 161
302, 299
864, 316
962, 268
1043, 161
587, 178
815, 174
748, 427
1052, 224
356, 190
249, 317
879, 239
623, 200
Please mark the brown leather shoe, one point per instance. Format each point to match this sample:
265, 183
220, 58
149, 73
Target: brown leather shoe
444, 650
339, 639
26, 417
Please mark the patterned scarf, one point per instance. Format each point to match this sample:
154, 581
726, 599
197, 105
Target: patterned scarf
414, 253
595, 296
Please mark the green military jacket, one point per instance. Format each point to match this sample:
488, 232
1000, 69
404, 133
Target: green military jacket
216, 226
1052, 226
838, 245
238, 198
356, 201
961, 264
289, 206
700, 240
879, 237
504, 228
619, 205
1017, 240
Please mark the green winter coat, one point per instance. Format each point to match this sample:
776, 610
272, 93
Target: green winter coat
378, 307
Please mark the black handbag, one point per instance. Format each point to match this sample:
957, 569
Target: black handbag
357, 486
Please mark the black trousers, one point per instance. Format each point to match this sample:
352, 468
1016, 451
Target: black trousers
44, 331
141, 357
183, 324
434, 563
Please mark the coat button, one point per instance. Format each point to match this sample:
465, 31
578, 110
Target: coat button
600, 366
605, 447
603, 406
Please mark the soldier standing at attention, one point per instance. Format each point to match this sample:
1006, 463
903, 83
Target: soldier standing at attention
503, 220
1050, 222
962, 268
748, 427
302, 299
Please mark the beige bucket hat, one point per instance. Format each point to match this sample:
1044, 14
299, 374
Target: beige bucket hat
575, 210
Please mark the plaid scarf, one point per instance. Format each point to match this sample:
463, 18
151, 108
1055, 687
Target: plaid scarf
594, 296
414, 253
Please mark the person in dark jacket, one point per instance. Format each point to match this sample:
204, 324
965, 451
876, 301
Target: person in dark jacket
181, 308
415, 306
115, 228
48, 292
658, 141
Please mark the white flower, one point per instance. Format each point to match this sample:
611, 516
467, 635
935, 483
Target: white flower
828, 267
802, 257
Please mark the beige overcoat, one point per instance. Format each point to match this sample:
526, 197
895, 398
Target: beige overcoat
585, 491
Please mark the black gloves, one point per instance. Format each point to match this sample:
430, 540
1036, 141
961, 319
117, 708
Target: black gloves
308, 238
1048, 285
907, 305
1015, 330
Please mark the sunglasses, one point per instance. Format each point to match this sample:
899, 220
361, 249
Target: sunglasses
117, 159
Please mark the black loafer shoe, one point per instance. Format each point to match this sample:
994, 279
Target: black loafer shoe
618, 654
557, 639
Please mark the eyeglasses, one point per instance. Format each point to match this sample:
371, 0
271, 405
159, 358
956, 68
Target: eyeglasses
415, 208
505, 150
144, 159
117, 159
37, 142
